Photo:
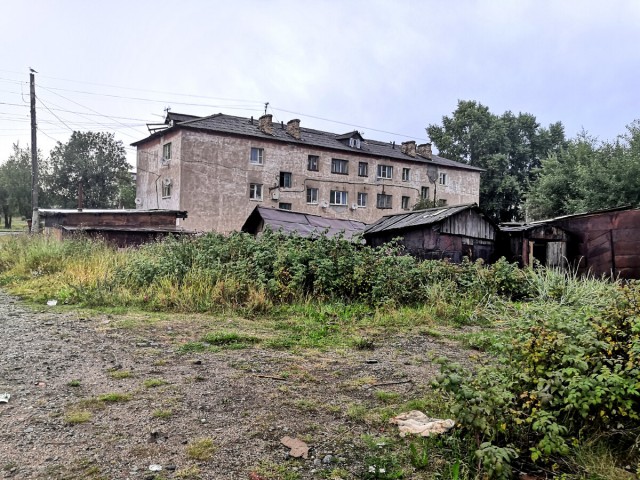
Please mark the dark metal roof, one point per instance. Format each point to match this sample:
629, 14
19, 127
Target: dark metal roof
103, 228
417, 218
222, 123
303, 224
179, 117
49, 212
521, 227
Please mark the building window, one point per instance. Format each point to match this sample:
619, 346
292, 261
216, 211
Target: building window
312, 195
385, 171
284, 206
166, 151
443, 179
354, 142
362, 199
339, 166
166, 188
257, 155
255, 191
442, 202
363, 169
338, 197
285, 179
406, 174
384, 201
312, 163
424, 193
405, 203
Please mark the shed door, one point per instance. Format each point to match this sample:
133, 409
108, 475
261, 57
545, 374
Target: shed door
556, 254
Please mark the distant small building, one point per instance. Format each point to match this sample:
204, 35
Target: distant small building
439, 233
302, 224
122, 228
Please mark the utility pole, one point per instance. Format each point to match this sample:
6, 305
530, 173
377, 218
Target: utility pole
35, 216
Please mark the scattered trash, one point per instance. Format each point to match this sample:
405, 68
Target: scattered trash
52, 303
155, 467
417, 422
298, 447
4, 397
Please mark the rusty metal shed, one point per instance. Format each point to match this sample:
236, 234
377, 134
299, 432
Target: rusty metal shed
445, 232
303, 224
527, 243
122, 228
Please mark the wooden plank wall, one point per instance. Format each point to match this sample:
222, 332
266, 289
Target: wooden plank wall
469, 224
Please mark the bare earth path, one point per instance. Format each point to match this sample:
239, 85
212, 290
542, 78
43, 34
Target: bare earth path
56, 365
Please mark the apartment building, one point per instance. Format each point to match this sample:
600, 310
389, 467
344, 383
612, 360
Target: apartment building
218, 168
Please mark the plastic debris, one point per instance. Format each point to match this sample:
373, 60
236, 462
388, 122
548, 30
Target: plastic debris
4, 397
52, 303
155, 467
417, 422
298, 447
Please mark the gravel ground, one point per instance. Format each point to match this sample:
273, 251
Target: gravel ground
56, 364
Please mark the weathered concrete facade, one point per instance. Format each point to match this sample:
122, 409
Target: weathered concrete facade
211, 173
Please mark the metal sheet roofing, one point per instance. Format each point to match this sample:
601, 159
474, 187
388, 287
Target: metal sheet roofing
304, 224
313, 138
417, 218
46, 212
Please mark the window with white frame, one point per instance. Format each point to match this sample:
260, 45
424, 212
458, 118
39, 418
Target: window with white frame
284, 206
285, 180
443, 179
255, 191
363, 169
166, 188
339, 166
405, 203
166, 151
406, 174
424, 193
312, 163
354, 142
362, 199
257, 156
338, 197
385, 171
312, 195
384, 201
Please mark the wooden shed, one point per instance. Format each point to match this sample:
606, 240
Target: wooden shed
437, 233
527, 243
122, 228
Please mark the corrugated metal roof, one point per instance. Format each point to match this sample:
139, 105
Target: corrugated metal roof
304, 224
101, 228
416, 218
46, 212
309, 137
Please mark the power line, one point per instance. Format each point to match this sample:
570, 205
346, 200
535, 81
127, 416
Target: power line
45, 106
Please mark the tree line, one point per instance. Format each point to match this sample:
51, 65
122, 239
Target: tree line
534, 172
91, 165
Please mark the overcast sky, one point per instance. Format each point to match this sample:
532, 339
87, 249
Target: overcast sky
386, 68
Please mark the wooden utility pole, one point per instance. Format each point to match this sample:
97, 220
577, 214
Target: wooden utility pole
35, 217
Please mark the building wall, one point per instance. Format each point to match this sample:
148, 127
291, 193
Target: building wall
211, 175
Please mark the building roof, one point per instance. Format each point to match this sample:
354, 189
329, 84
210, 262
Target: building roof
50, 212
524, 226
222, 123
418, 218
303, 224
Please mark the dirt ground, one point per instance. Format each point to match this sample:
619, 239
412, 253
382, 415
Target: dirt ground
56, 365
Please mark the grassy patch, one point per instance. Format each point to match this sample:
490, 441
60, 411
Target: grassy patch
162, 413
274, 471
77, 416
120, 374
154, 382
201, 449
188, 473
73, 383
114, 397
387, 397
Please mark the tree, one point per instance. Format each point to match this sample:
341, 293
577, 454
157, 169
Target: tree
91, 164
587, 175
15, 185
509, 147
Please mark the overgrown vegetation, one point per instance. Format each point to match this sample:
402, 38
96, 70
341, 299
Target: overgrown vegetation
559, 391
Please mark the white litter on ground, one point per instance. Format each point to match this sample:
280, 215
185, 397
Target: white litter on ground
418, 423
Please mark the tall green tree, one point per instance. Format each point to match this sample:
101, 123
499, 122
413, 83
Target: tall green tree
15, 185
587, 175
509, 147
92, 164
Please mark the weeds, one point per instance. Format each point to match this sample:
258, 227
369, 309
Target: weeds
77, 416
201, 449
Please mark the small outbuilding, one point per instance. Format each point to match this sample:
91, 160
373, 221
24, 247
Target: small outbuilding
439, 233
122, 228
302, 224
528, 243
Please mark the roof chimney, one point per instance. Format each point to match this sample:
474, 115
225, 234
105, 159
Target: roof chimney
293, 128
265, 124
424, 150
409, 148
